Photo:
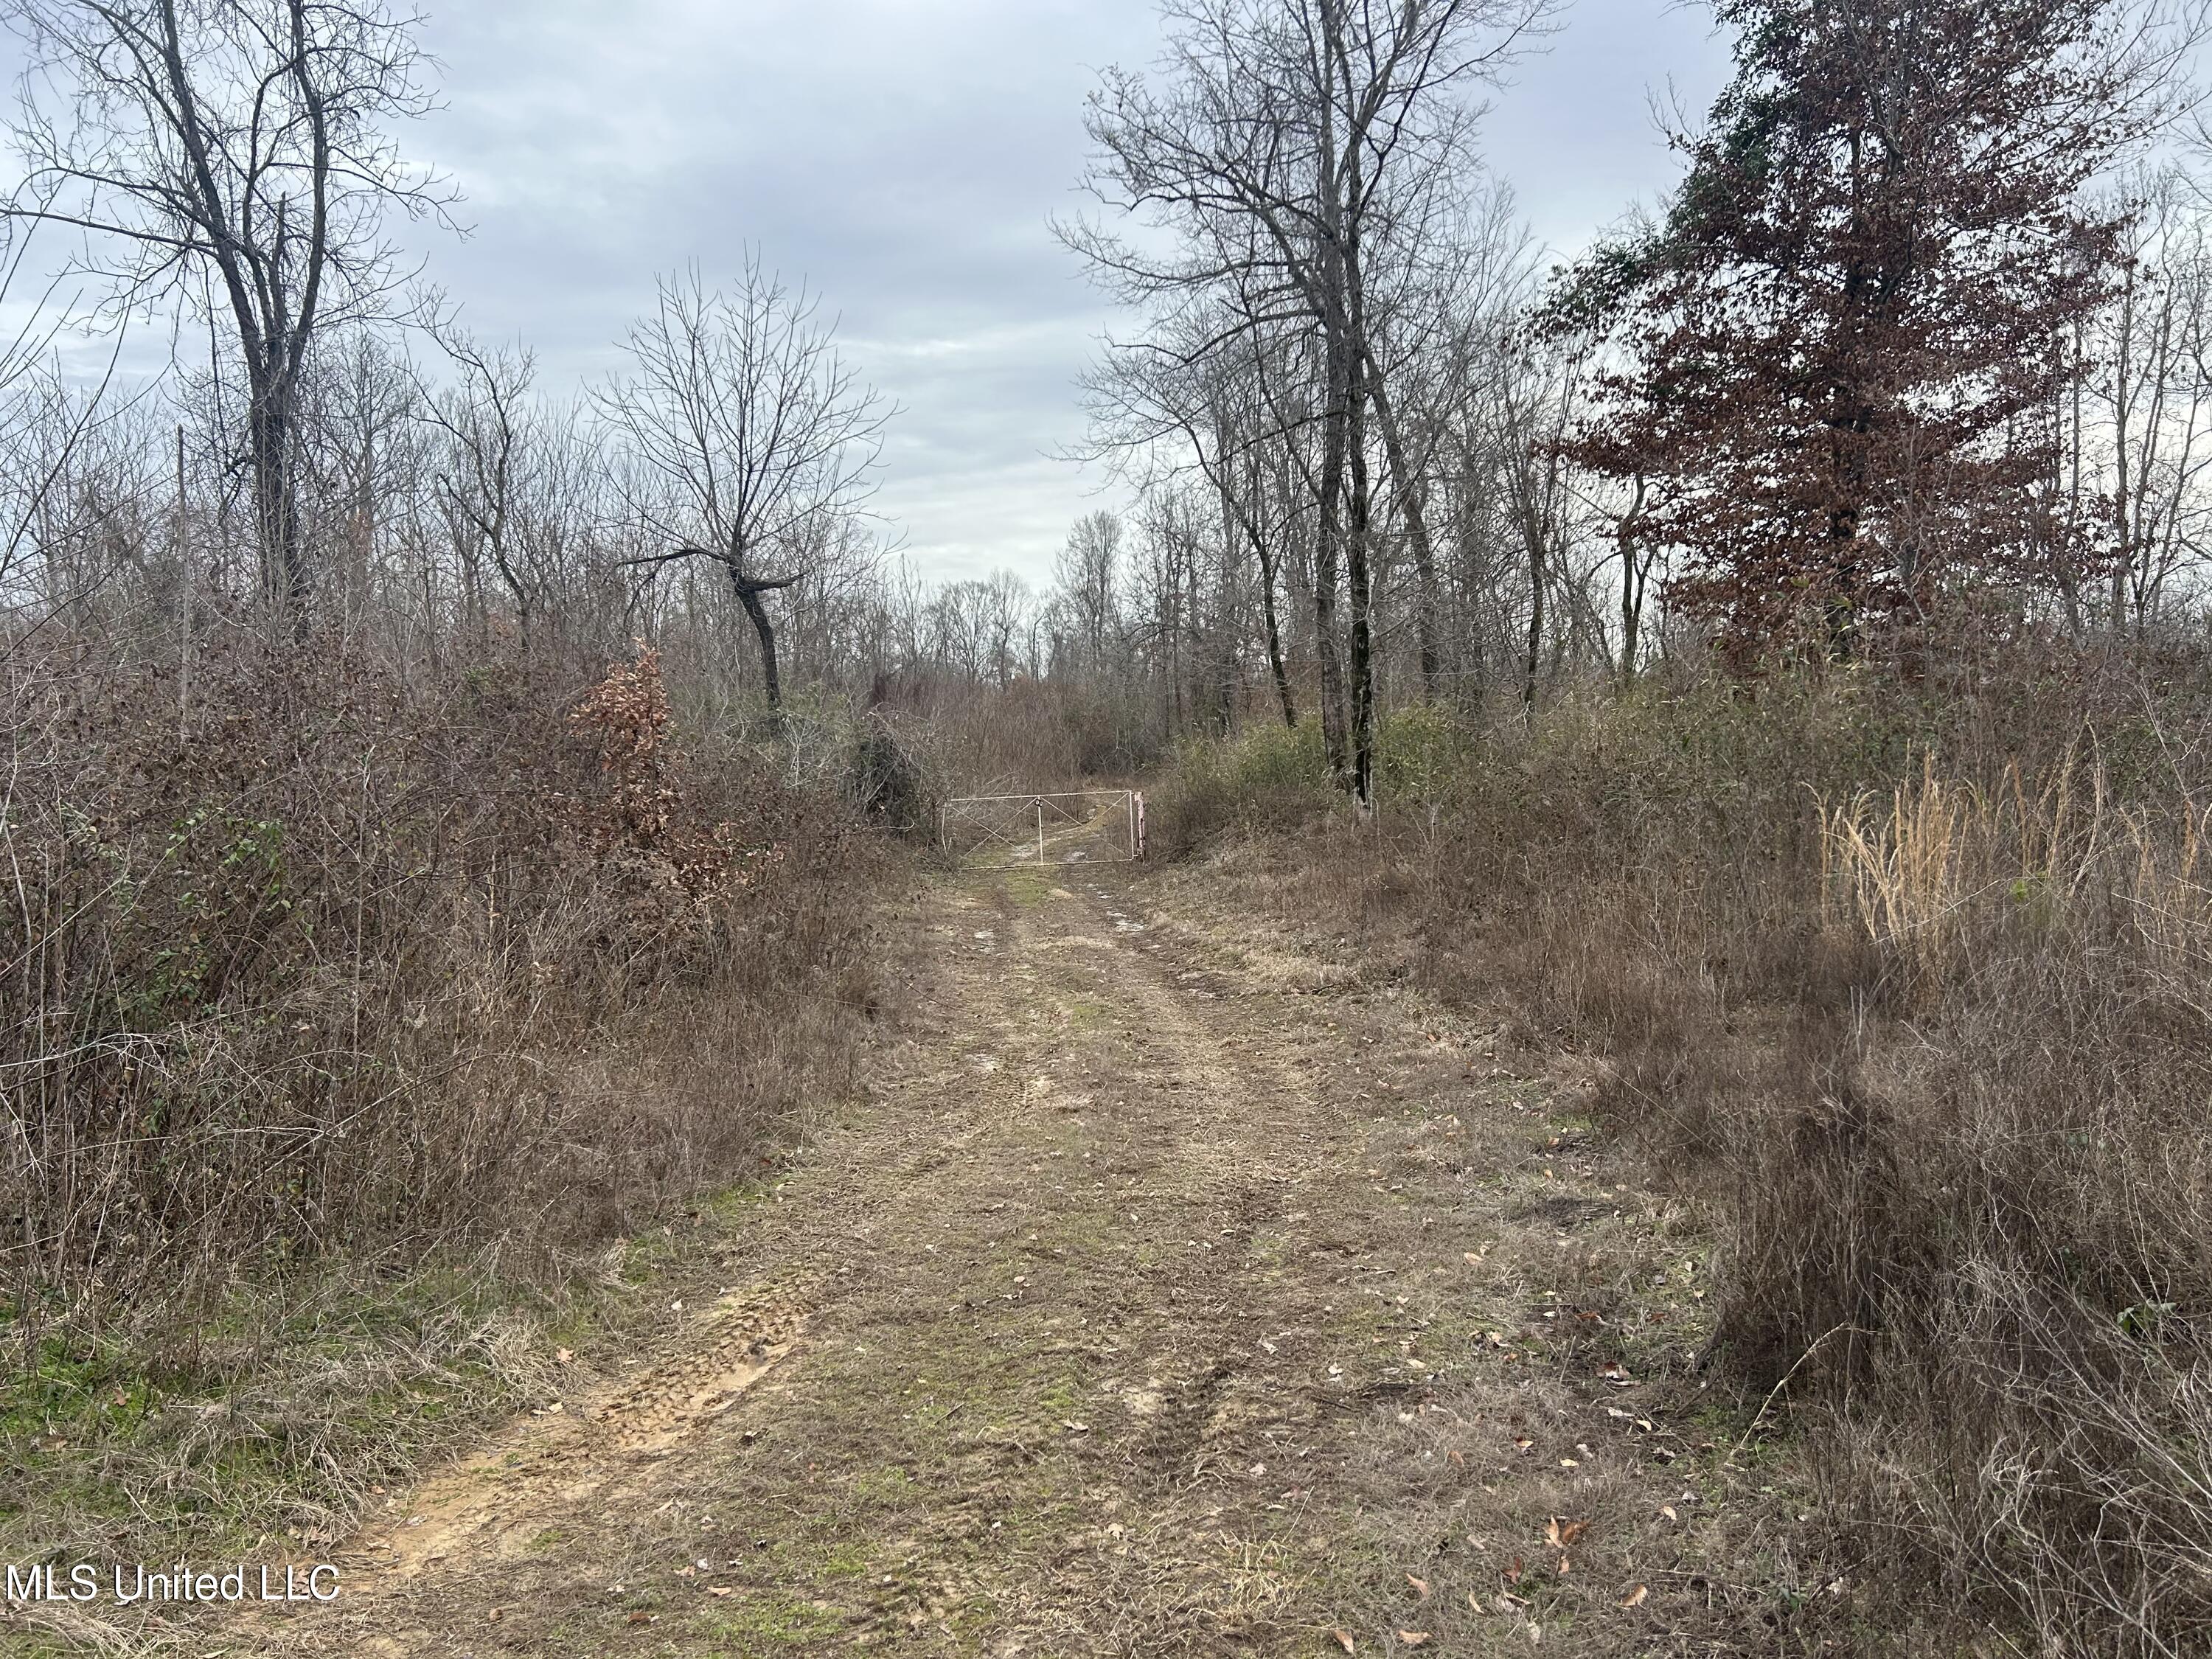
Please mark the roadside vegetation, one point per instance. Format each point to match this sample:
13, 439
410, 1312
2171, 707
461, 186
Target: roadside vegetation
1768, 649
366, 1041
1903, 991
449, 831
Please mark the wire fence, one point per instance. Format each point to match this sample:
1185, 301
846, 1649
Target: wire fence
1097, 826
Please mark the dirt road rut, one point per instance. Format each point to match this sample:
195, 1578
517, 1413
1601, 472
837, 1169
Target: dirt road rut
1174, 1293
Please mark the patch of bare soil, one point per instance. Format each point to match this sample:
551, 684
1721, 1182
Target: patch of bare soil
1177, 1292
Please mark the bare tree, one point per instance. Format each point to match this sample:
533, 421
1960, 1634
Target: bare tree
753, 430
1299, 152
1089, 569
2153, 458
484, 419
43, 424
247, 139
1431, 346
362, 464
1201, 398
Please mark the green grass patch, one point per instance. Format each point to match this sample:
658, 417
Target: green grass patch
754, 1618
1027, 887
271, 1413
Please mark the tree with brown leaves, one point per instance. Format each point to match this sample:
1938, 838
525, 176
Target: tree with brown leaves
1839, 381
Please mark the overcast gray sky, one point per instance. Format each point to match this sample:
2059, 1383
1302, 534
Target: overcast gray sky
904, 157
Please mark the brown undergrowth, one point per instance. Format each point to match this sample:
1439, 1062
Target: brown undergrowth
1907, 995
354, 1029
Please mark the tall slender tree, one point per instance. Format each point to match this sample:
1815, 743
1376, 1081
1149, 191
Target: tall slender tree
1297, 150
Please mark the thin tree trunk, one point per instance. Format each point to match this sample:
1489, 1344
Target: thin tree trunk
1227, 619
1270, 624
1412, 497
1532, 533
1273, 627
1361, 583
276, 511
1327, 548
1335, 440
1631, 584
1350, 318
2123, 518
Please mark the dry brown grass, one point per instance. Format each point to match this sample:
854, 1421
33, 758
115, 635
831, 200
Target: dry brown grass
347, 1022
1910, 994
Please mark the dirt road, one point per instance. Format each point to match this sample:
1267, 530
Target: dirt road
1174, 1293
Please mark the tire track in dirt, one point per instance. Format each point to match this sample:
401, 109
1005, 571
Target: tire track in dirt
1133, 1314
596, 1451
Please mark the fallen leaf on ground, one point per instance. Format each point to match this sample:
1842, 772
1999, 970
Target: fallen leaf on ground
1421, 1586
1635, 1597
1413, 1638
1344, 1640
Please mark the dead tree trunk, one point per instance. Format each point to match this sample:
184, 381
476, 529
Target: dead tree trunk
749, 591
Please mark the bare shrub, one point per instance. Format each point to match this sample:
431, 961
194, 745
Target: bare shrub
346, 969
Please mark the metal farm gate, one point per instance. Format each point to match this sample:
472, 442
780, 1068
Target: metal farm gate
1079, 826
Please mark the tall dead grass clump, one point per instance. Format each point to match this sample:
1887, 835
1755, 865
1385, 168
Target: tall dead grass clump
2016, 1215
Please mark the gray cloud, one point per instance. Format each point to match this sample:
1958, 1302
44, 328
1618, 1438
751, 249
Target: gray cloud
902, 156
